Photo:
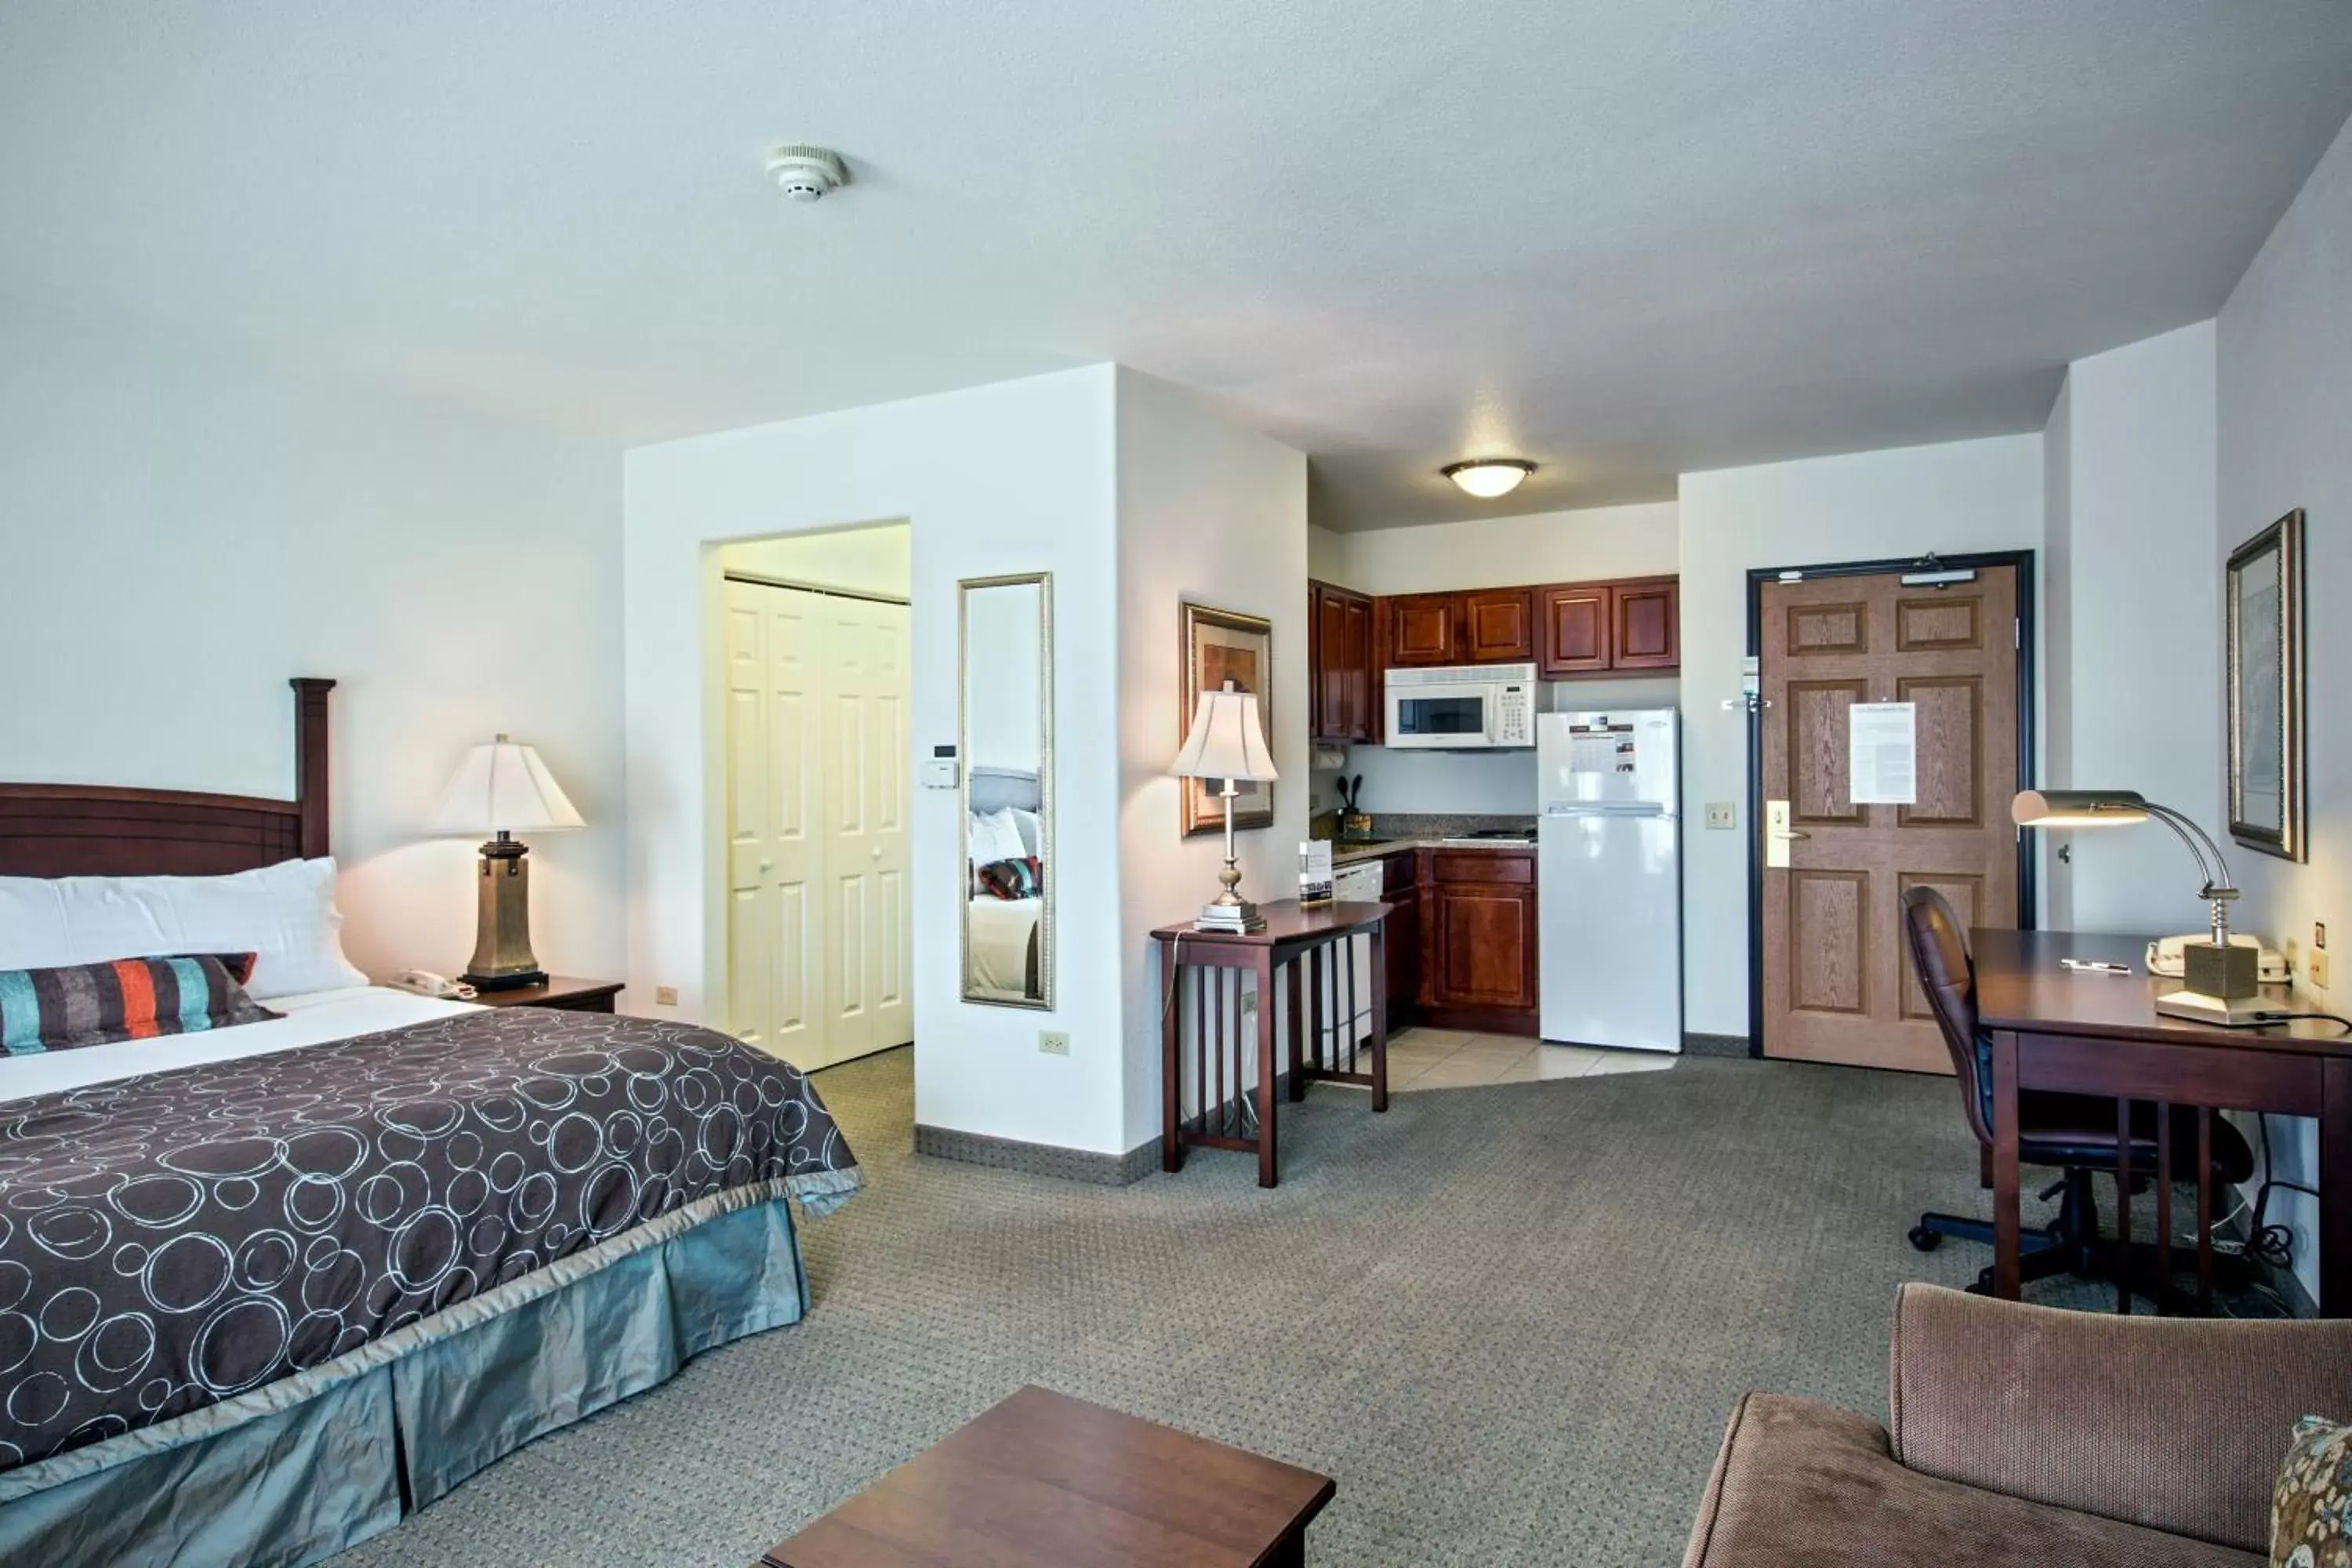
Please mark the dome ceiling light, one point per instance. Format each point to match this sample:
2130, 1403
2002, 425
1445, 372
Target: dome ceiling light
1487, 477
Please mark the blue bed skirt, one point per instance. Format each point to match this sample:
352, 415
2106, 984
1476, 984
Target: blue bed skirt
297, 1471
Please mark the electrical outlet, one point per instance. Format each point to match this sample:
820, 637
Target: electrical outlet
1053, 1042
665, 996
2319, 969
1722, 813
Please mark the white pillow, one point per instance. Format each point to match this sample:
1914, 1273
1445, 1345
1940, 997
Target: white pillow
995, 836
284, 914
1032, 834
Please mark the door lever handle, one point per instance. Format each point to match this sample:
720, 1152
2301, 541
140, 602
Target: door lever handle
1786, 834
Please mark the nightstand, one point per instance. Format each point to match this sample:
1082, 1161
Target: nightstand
564, 990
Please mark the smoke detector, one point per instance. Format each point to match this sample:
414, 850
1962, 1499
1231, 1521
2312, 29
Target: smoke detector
807, 174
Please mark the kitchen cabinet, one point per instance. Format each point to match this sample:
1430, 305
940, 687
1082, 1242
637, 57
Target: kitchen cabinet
1479, 952
1607, 629
1401, 944
1342, 688
1645, 624
1423, 629
1498, 626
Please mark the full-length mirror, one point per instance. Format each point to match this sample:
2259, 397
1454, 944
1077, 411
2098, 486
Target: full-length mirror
1004, 630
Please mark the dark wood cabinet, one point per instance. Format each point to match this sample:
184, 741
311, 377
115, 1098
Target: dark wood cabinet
1341, 687
1645, 625
1423, 629
1576, 630
1604, 628
1481, 939
1400, 947
1498, 626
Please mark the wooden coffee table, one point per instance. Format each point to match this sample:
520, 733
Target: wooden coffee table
1046, 1480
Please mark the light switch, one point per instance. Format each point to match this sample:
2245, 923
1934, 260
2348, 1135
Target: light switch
1722, 813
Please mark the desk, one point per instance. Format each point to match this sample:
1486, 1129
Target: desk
1308, 943
2094, 1033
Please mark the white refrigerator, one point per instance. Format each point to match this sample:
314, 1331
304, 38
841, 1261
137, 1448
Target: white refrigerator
1609, 875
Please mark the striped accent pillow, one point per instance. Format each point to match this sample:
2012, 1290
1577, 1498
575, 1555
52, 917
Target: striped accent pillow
128, 999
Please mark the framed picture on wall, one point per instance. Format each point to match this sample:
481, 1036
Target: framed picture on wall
1222, 645
2262, 628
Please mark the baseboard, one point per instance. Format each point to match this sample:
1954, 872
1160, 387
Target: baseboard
1695, 1045
1482, 1020
1086, 1165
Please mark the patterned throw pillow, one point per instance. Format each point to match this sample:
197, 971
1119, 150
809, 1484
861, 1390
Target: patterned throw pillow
1022, 879
129, 999
2311, 1510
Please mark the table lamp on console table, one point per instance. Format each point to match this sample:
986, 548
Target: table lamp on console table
2221, 980
498, 789
1226, 743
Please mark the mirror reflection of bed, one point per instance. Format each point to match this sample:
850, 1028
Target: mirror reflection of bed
1007, 748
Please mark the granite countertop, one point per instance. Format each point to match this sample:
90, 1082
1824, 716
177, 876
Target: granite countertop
1352, 854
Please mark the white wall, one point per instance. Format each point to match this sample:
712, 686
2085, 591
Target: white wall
1952, 499
877, 561
2135, 621
2057, 643
184, 534
1214, 514
1017, 477
2284, 350
1492, 553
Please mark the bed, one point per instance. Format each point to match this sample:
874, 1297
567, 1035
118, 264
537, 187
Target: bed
265, 1289
1002, 936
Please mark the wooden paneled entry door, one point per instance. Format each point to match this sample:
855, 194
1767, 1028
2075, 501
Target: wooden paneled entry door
818, 900
1837, 978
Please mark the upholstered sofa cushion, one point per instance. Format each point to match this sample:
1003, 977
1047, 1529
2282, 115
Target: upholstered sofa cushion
1800, 1484
2178, 1423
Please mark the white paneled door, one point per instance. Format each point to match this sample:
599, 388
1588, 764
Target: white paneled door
819, 942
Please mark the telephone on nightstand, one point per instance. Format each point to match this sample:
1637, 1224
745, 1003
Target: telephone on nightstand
424, 982
2164, 957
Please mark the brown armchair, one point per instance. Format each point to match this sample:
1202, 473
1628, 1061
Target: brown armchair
2028, 1435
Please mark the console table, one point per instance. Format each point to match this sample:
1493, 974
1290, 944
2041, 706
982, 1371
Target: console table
1307, 946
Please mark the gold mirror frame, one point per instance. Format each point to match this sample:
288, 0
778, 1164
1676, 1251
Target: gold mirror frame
1043, 582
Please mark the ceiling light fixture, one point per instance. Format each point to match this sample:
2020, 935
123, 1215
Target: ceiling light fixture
1487, 477
805, 173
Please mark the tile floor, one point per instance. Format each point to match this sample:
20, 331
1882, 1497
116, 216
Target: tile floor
1449, 1059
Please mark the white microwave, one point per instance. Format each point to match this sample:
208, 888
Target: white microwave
1462, 708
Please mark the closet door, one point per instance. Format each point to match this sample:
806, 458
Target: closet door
869, 942
775, 927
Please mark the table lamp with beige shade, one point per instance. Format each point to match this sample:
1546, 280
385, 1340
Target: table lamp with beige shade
502, 788
1227, 742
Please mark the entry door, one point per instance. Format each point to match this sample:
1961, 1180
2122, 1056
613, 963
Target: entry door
1838, 981
775, 938
865, 743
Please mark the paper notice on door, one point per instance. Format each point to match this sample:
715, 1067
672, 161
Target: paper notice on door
1883, 753
1601, 748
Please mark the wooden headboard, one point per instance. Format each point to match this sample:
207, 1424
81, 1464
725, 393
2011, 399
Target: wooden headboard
97, 830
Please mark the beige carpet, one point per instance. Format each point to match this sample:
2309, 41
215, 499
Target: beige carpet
1511, 1320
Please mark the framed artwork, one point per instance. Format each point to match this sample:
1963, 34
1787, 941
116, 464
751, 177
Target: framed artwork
2263, 633
1222, 645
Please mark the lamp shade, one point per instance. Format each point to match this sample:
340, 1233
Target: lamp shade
503, 787
2077, 808
1226, 741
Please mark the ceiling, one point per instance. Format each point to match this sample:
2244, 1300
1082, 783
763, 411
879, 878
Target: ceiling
1626, 239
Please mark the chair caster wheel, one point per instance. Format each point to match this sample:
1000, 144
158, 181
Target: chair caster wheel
1926, 1241
1983, 1286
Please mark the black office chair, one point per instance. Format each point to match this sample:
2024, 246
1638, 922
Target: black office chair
2072, 1133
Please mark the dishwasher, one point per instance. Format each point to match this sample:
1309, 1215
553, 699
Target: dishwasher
1358, 884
